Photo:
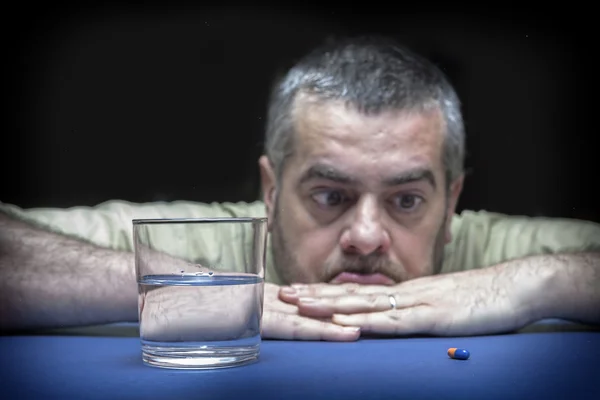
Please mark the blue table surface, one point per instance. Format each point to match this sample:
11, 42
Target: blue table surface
531, 365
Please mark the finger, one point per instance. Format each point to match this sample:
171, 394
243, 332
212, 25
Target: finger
407, 321
278, 325
292, 293
278, 305
274, 302
288, 294
327, 306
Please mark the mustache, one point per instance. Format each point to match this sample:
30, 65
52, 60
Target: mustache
363, 264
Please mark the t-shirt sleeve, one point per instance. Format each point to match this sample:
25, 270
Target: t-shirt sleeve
483, 238
109, 224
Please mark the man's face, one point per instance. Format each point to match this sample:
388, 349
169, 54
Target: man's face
362, 199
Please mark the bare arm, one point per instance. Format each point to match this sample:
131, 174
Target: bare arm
573, 287
48, 280
492, 300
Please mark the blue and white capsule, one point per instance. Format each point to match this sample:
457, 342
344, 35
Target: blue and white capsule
458, 354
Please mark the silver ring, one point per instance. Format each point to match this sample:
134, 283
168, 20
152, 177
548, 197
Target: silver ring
392, 301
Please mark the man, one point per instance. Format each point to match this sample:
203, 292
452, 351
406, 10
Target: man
362, 171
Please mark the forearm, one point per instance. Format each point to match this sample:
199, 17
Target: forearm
574, 290
568, 286
49, 281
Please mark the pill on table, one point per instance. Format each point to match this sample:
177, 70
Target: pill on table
458, 354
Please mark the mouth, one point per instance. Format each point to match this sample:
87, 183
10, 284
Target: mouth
363, 279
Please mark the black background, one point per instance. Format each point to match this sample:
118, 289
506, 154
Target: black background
167, 102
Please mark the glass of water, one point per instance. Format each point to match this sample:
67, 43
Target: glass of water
200, 285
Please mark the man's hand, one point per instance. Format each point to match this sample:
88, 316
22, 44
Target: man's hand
282, 321
490, 300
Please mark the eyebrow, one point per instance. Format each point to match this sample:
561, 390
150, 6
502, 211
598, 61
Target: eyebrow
321, 171
414, 175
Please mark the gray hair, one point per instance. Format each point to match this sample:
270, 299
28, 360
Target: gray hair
373, 74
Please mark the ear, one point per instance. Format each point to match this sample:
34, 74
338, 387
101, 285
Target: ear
454, 195
269, 185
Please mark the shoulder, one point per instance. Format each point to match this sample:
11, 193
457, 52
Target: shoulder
483, 238
494, 225
109, 223
193, 209
127, 210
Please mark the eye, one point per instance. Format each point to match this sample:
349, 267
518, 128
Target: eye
329, 198
407, 202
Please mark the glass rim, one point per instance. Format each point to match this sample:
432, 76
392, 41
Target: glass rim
141, 221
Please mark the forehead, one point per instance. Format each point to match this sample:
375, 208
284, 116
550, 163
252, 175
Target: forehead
367, 144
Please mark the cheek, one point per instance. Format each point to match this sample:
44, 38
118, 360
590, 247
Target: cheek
311, 244
415, 251
315, 248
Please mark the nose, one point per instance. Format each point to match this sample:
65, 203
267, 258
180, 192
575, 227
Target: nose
365, 233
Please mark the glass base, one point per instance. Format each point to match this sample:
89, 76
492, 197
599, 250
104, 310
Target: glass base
199, 358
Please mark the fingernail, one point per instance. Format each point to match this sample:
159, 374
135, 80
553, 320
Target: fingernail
288, 290
352, 329
307, 300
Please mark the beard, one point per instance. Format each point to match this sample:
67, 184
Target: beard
289, 269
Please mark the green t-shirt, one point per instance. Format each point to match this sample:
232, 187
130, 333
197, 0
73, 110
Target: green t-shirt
480, 238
